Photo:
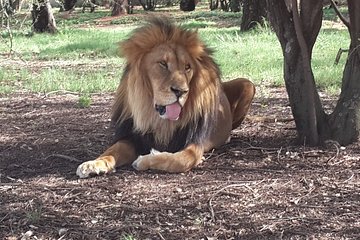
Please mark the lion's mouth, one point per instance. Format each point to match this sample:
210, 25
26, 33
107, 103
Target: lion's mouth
171, 111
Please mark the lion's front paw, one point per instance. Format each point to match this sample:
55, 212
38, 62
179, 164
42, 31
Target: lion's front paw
143, 162
94, 167
140, 163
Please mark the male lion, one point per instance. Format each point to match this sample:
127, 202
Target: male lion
170, 99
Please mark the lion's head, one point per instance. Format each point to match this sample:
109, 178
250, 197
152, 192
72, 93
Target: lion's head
170, 80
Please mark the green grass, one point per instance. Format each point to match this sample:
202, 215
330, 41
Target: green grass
330, 14
97, 68
68, 44
84, 101
328, 76
81, 18
46, 80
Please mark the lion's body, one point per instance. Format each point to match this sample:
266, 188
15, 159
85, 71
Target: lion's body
170, 99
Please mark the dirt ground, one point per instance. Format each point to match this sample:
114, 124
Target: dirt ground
259, 186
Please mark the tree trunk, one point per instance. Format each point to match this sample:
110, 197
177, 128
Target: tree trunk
214, 4
297, 42
120, 7
43, 18
187, 5
254, 12
297, 34
345, 120
235, 5
148, 5
69, 4
6, 8
224, 5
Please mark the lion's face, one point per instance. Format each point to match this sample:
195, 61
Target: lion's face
169, 74
170, 70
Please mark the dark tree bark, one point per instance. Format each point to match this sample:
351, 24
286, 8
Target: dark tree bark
235, 5
69, 5
214, 4
310, 119
148, 5
120, 7
89, 4
345, 120
42, 17
254, 12
224, 5
7, 6
297, 32
187, 5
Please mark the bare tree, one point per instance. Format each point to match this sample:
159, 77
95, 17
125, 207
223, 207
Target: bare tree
254, 13
42, 16
345, 118
5, 16
120, 7
69, 5
187, 5
148, 5
224, 5
297, 31
235, 5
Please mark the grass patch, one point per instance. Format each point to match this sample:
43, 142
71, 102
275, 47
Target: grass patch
256, 54
84, 101
328, 75
68, 44
81, 18
52, 79
330, 14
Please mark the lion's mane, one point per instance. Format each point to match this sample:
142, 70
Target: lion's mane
134, 98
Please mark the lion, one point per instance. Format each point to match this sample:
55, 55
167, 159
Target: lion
170, 106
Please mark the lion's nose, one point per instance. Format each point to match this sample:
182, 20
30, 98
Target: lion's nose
178, 92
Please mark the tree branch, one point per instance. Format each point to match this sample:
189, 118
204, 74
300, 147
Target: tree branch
300, 36
314, 137
342, 18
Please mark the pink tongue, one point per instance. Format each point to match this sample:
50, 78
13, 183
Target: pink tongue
173, 111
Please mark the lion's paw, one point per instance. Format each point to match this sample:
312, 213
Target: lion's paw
91, 168
140, 163
143, 161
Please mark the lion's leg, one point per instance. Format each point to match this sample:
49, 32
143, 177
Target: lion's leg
119, 154
240, 93
181, 161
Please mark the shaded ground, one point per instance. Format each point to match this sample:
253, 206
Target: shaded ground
259, 186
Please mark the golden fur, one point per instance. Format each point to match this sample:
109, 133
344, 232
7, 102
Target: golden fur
163, 59
204, 87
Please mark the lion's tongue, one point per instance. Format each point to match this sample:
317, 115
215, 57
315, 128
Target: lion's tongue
173, 111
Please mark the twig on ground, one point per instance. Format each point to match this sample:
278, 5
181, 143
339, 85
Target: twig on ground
334, 143
268, 119
210, 155
278, 154
211, 209
251, 147
161, 236
62, 92
71, 159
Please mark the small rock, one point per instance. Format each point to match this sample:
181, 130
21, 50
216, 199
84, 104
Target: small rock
27, 235
62, 231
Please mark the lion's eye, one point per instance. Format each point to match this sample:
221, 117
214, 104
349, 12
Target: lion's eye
187, 67
163, 64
